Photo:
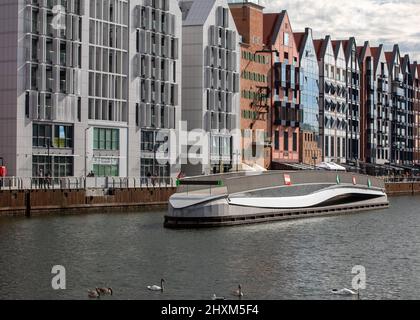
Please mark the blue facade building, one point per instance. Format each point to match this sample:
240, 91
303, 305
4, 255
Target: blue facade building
310, 152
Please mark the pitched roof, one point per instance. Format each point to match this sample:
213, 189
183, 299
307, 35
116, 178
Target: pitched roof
318, 44
299, 39
375, 51
389, 55
272, 25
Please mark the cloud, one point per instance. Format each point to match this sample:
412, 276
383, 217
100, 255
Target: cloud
379, 21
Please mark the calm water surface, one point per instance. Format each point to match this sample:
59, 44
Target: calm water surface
302, 259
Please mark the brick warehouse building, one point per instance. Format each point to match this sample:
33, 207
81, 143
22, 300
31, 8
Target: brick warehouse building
255, 87
278, 35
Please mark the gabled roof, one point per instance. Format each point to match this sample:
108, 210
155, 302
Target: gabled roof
337, 44
272, 25
390, 55
318, 44
414, 69
376, 54
363, 52
299, 37
198, 12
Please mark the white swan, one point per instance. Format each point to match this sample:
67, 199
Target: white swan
238, 293
216, 298
157, 288
94, 294
345, 292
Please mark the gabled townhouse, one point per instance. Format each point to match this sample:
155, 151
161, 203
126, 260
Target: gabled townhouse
401, 128
333, 95
352, 79
286, 113
310, 145
415, 72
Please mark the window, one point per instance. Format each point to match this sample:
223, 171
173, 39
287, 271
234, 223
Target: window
41, 135
56, 166
106, 139
106, 170
286, 141
63, 136
286, 39
276, 140
294, 141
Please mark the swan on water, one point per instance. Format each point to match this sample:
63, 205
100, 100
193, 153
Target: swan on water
216, 298
157, 288
238, 292
345, 292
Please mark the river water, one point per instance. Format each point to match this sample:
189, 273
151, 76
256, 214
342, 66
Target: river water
302, 259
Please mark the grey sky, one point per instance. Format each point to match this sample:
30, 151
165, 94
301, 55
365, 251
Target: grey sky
379, 21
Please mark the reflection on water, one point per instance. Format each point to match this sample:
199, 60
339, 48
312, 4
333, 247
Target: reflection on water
302, 259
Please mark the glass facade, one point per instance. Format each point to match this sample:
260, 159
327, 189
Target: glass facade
310, 88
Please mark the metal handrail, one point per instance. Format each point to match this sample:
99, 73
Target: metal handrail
63, 183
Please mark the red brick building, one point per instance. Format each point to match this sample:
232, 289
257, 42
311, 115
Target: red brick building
415, 72
286, 116
255, 86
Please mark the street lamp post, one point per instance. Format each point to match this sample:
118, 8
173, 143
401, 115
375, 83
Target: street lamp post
86, 155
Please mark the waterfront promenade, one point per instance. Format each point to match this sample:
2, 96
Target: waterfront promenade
33, 196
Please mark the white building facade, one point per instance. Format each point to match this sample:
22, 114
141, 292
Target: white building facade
89, 78
210, 97
333, 107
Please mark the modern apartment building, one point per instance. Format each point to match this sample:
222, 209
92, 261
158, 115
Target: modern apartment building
210, 92
279, 39
255, 84
333, 95
156, 44
415, 72
402, 122
352, 80
310, 145
88, 80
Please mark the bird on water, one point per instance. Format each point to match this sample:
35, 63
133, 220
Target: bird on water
157, 288
238, 293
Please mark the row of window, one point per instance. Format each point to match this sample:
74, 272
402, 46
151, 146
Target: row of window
52, 166
247, 75
52, 136
285, 141
250, 115
246, 94
246, 55
106, 139
106, 170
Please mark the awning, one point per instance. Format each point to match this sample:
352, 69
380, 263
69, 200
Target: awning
331, 166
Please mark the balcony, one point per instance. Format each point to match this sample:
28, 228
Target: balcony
398, 91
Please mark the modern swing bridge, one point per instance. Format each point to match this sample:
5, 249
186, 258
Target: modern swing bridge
240, 198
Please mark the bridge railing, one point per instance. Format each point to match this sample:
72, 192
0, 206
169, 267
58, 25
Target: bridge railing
68, 183
402, 179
